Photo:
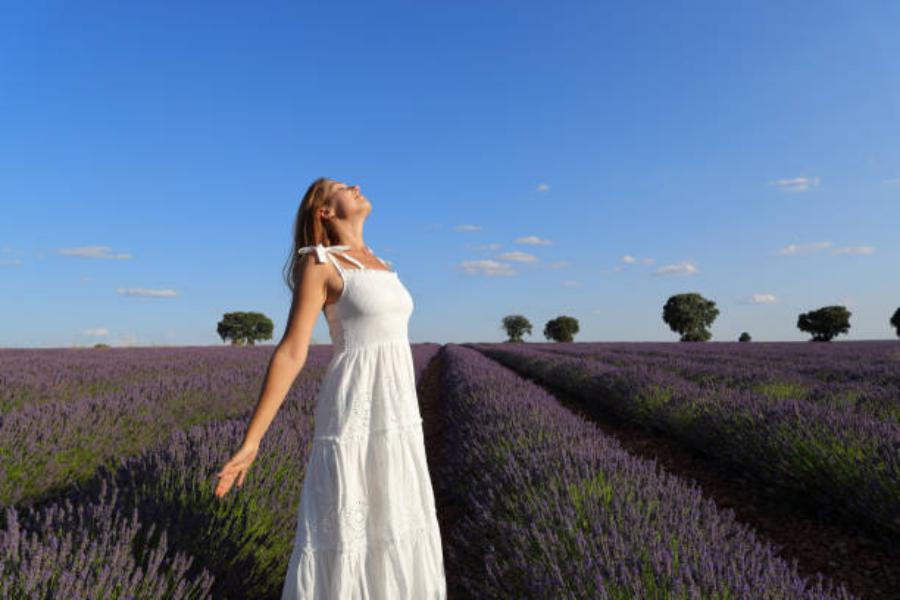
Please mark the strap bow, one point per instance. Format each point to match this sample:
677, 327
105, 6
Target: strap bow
320, 250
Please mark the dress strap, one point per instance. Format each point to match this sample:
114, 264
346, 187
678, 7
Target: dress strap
353, 260
324, 252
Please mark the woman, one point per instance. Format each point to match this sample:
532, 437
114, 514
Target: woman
367, 525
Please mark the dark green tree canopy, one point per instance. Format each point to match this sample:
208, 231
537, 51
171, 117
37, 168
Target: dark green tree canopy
825, 323
689, 315
561, 329
516, 326
895, 321
245, 328
745, 337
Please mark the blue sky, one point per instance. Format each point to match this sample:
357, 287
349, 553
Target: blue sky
580, 158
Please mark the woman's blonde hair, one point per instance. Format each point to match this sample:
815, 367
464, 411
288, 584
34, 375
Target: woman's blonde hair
308, 228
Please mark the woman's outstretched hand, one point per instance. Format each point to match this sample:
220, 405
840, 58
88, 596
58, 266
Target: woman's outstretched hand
236, 467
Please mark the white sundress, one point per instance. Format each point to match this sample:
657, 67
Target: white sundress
367, 524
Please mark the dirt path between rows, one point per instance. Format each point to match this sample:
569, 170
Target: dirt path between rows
430, 406
869, 568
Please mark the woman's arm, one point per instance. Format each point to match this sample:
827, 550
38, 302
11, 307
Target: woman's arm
291, 352
286, 362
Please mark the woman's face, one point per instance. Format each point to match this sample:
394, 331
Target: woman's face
347, 200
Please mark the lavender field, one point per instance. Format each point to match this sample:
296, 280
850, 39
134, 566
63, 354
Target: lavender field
108, 456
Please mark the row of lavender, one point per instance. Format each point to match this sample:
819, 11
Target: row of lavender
876, 360
111, 403
837, 460
31, 377
857, 377
154, 528
555, 509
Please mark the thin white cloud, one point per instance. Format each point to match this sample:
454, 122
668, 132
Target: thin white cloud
854, 250
98, 332
762, 299
147, 292
795, 184
533, 240
491, 246
892, 181
543, 187
86, 278
488, 268
682, 268
569, 283
467, 228
93, 252
633, 259
518, 257
10, 262
792, 249
559, 264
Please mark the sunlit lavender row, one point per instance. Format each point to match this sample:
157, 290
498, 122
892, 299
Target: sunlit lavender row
48, 444
855, 377
873, 362
559, 510
33, 376
169, 487
839, 460
91, 550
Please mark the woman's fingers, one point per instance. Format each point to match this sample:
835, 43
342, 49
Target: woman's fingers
224, 485
225, 477
228, 466
234, 468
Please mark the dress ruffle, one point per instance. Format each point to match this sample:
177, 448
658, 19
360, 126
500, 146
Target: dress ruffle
407, 566
367, 523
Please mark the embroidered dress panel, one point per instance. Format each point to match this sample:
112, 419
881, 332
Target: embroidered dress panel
367, 524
